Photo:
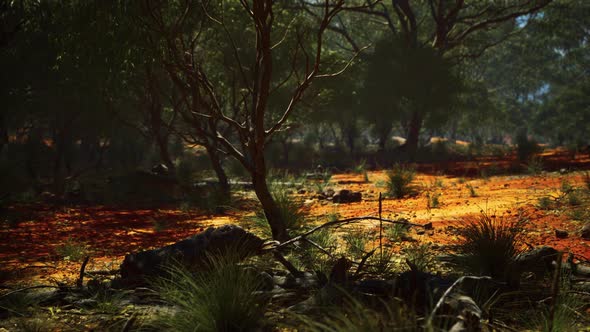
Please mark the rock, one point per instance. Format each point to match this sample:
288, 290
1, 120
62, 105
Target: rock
585, 232
302, 191
160, 169
347, 196
192, 252
562, 171
329, 192
561, 234
538, 260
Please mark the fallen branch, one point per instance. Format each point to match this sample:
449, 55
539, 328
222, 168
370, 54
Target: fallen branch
28, 288
349, 221
80, 281
447, 292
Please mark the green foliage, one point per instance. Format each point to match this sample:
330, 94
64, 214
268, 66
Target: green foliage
72, 250
400, 180
471, 189
223, 298
433, 201
545, 203
489, 246
356, 242
535, 165
292, 212
396, 232
19, 303
355, 316
420, 256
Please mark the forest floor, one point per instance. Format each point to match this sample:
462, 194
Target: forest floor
46, 243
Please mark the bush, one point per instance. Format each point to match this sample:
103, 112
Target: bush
400, 181
223, 298
489, 246
526, 148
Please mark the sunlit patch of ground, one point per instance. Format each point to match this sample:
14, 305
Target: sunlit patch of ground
32, 249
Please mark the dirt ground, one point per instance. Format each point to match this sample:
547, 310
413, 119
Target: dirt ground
29, 247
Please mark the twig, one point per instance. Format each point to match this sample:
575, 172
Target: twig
348, 221
294, 271
80, 281
363, 261
447, 292
318, 247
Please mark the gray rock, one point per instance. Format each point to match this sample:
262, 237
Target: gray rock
192, 252
347, 196
585, 232
561, 234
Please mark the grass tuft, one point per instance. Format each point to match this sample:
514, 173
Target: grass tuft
400, 180
489, 246
223, 298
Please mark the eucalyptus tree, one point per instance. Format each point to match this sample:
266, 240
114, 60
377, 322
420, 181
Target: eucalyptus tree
430, 29
221, 57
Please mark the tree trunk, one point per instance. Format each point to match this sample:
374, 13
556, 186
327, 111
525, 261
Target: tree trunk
218, 168
270, 207
414, 127
162, 143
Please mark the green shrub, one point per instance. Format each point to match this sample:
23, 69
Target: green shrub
545, 203
421, 257
433, 200
400, 181
290, 209
472, 191
396, 232
223, 298
535, 165
72, 250
489, 246
356, 243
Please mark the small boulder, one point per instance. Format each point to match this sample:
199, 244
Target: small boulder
347, 196
585, 232
561, 234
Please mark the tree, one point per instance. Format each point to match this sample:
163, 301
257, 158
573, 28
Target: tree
195, 56
452, 30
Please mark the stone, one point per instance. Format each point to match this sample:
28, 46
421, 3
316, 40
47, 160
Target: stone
347, 196
192, 253
585, 232
561, 234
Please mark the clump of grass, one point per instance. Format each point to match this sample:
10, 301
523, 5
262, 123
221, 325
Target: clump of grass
489, 246
574, 198
291, 211
471, 189
354, 315
72, 250
545, 203
356, 243
438, 183
577, 214
400, 180
396, 232
534, 165
420, 256
433, 200
223, 298
321, 184
361, 167
19, 303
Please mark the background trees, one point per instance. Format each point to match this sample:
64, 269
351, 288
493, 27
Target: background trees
112, 87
